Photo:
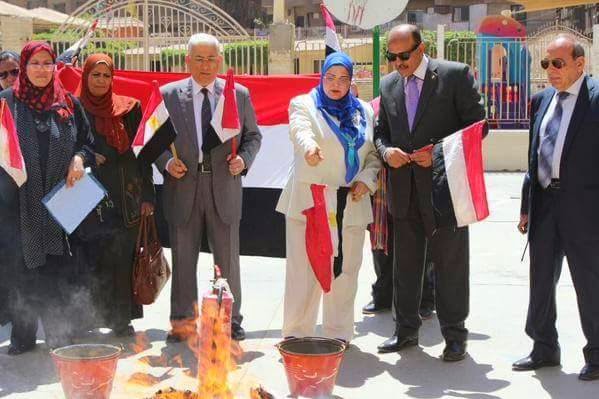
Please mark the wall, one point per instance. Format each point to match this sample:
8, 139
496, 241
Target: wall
14, 32
506, 150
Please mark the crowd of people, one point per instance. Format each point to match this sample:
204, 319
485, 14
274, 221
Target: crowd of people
82, 281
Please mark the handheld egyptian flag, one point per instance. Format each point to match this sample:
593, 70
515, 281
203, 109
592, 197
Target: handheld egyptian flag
330, 39
459, 193
70, 55
11, 157
225, 119
156, 131
321, 235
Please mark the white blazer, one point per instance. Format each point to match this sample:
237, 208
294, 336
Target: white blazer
308, 129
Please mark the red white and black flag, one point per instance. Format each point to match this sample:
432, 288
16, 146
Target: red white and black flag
459, 192
330, 39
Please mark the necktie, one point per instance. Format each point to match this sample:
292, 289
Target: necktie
412, 97
209, 137
548, 142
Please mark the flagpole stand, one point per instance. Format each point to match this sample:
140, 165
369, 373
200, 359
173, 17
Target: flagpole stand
376, 61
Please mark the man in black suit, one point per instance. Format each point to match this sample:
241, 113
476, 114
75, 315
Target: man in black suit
560, 196
423, 101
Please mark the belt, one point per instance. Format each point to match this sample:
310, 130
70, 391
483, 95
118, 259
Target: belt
206, 165
554, 185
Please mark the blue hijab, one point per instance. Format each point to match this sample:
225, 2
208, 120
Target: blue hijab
350, 136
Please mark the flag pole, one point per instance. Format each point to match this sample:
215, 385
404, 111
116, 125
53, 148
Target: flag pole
174, 152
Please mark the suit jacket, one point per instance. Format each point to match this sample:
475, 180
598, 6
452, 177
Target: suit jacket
449, 101
579, 167
307, 129
178, 194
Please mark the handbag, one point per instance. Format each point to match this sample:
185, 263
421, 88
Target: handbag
150, 268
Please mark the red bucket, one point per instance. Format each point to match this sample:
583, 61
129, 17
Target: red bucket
86, 371
311, 364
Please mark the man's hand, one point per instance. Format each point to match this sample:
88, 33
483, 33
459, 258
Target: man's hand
358, 190
147, 209
396, 158
314, 156
76, 170
423, 156
176, 168
236, 164
523, 225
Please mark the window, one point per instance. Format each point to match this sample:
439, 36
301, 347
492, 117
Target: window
415, 17
461, 14
318, 65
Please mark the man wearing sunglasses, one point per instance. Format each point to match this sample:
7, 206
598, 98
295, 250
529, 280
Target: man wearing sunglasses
560, 196
423, 101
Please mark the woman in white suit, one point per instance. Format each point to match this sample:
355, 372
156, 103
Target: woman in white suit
332, 135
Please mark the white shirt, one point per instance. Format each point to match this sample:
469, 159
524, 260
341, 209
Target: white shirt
198, 99
567, 110
420, 73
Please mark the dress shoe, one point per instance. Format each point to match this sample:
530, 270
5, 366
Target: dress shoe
397, 343
425, 313
589, 372
237, 332
373, 308
454, 351
534, 362
16, 349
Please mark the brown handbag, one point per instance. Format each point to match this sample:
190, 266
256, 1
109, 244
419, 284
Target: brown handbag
150, 268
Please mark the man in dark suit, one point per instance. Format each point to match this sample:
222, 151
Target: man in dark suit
202, 187
560, 196
423, 101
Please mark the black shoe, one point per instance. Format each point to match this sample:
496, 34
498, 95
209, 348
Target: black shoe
397, 343
534, 362
373, 308
237, 332
172, 338
16, 349
589, 372
454, 351
425, 313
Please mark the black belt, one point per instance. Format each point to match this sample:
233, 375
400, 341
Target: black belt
554, 185
206, 165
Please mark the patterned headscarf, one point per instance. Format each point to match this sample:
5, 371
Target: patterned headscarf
53, 97
108, 110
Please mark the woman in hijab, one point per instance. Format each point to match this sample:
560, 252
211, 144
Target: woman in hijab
332, 132
114, 120
9, 68
55, 141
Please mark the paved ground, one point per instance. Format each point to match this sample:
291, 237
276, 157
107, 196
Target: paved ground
499, 294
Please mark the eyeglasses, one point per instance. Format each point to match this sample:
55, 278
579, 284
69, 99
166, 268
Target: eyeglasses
344, 80
13, 72
557, 63
39, 67
404, 56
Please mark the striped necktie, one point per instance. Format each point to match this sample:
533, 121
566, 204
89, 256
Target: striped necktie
548, 142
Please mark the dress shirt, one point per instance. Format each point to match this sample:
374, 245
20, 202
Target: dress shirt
420, 73
567, 111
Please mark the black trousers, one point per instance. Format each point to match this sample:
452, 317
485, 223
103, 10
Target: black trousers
449, 252
548, 245
382, 289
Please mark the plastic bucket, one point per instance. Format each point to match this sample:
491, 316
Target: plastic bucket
311, 365
86, 371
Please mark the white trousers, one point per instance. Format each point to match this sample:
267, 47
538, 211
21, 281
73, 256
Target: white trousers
303, 292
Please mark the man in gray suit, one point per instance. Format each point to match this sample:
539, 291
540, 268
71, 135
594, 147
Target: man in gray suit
202, 187
422, 102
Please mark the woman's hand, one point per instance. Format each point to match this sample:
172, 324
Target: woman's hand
76, 170
358, 190
100, 159
314, 156
147, 209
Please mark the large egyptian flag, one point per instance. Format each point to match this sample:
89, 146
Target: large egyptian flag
262, 230
11, 157
459, 193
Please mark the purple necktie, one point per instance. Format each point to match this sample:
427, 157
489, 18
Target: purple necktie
412, 97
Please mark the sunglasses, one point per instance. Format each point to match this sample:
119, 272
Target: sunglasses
12, 72
404, 56
557, 63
